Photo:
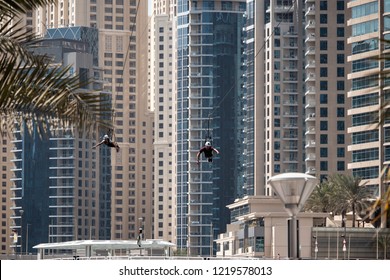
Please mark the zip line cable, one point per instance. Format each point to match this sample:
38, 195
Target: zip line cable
262, 47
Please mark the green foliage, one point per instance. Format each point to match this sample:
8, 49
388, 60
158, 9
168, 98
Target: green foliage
31, 86
340, 194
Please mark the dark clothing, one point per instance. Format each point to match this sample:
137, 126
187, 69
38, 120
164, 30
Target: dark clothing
208, 151
109, 143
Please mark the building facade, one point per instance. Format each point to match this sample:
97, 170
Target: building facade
122, 54
368, 93
208, 37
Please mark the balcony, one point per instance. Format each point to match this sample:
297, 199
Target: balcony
310, 157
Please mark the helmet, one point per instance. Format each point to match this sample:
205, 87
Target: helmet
106, 137
208, 144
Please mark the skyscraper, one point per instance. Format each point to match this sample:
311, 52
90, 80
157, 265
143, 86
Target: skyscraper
368, 94
123, 41
122, 57
209, 52
296, 90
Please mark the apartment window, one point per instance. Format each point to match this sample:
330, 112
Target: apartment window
340, 32
364, 82
340, 125
323, 72
340, 139
323, 125
340, 85
365, 100
323, 99
161, 30
323, 112
365, 27
323, 32
365, 155
324, 139
340, 165
340, 59
340, 18
323, 85
324, 18
340, 5
323, 165
323, 58
367, 136
340, 72
340, 112
341, 152
340, 45
324, 152
323, 45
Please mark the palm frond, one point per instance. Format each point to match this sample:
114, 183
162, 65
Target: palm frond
13, 7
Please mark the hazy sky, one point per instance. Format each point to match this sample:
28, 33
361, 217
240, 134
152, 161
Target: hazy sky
150, 4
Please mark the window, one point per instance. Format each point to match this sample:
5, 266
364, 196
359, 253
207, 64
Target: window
323, 58
324, 139
340, 18
323, 18
340, 138
366, 136
323, 98
323, 85
341, 152
340, 85
340, 32
340, 99
340, 59
340, 112
323, 32
340, 125
323, 112
323, 165
323, 125
340, 71
340, 165
340, 45
324, 152
323, 72
323, 45
323, 5
340, 5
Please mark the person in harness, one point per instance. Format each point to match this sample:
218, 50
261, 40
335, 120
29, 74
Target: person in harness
107, 141
208, 150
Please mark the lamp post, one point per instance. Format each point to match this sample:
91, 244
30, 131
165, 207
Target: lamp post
316, 247
293, 190
344, 236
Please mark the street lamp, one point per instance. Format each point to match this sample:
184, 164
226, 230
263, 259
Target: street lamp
293, 190
316, 247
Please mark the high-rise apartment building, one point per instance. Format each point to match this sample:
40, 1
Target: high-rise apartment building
54, 188
122, 56
296, 121
208, 101
326, 87
123, 41
368, 93
161, 80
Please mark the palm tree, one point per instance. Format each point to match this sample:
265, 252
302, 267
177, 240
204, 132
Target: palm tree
320, 199
340, 194
351, 195
31, 86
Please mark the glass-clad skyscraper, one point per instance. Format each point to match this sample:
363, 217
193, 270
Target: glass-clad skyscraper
209, 108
